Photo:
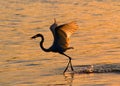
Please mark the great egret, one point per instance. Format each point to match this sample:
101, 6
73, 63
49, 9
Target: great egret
61, 36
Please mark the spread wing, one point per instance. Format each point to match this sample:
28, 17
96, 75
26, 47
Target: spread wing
63, 33
52, 27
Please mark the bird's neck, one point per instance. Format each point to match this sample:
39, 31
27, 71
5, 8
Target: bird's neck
41, 44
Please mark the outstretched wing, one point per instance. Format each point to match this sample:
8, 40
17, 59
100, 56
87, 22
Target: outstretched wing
63, 33
53, 26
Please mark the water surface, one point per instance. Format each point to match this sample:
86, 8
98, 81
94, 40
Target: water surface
97, 40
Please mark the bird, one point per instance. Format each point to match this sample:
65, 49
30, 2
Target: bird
61, 35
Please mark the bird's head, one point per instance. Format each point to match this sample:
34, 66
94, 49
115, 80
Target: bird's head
35, 36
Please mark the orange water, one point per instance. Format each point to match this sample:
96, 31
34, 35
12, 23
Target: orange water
23, 63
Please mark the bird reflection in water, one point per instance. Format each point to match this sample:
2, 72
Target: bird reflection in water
69, 78
61, 36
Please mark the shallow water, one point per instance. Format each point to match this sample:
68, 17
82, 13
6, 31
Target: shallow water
23, 63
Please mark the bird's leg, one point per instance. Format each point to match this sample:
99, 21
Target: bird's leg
69, 63
66, 67
70, 48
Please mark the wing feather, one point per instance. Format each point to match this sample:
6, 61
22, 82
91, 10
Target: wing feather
64, 32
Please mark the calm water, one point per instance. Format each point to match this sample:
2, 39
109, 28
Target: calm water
23, 63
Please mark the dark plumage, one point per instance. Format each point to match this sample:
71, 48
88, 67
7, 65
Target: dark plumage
61, 35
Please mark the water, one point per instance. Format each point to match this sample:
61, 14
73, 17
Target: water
23, 63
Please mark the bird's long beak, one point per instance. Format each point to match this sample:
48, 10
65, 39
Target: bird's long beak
33, 37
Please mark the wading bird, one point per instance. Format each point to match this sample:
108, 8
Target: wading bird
61, 36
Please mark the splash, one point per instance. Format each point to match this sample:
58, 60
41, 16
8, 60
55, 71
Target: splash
98, 68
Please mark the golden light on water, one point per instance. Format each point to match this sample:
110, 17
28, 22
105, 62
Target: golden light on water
22, 61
